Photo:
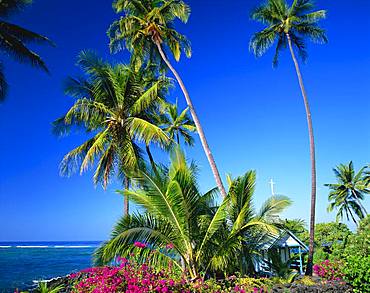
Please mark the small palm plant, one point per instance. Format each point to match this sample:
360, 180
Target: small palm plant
187, 227
281, 269
14, 40
112, 103
147, 30
348, 193
178, 125
43, 287
290, 27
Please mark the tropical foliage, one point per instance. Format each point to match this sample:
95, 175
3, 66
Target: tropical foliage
348, 193
290, 27
279, 268
177, 125
357, 273
357, 256
147, 24
296, 226
352, 255
14, 40
181, 238
329, 270
43, 287
188, 228
287, 25
146, 30
113, 104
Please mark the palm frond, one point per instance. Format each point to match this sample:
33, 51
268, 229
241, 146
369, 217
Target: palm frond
3, 84
8, 7
15, 48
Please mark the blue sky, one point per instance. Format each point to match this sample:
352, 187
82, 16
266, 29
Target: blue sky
253, 115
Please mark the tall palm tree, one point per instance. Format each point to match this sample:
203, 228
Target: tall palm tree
111, 104
291, 26
187, 227
14, 38
146, 29
177, 125
348, 192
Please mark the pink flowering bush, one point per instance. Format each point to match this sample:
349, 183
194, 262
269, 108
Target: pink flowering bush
329, 270
133, 277
127, 277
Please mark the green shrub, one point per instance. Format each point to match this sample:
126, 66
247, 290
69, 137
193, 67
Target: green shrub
256, 283
357, 273
359, 243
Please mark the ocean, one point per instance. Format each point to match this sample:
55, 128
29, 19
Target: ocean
22, 264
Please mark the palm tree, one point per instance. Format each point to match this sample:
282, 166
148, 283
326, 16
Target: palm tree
177, 124
146, 29
13, 40
297, 226
186, 227
348, 192
291, 26
111, 103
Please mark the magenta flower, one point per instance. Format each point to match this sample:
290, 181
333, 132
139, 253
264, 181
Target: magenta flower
139, 244
170, 246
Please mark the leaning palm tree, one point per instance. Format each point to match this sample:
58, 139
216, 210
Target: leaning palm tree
111, 103
147, 29
186, 227
14, 38
346, 195
177, 125
291, 26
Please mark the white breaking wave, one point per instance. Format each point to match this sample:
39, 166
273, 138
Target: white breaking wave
32, 246
72, 246
5, 246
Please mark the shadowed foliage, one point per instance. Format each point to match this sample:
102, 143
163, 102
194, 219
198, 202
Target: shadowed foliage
14, 40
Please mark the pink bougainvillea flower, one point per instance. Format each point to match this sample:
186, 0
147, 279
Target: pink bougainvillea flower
139, 244
170, 246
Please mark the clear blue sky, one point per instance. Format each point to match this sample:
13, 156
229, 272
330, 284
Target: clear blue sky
253, 115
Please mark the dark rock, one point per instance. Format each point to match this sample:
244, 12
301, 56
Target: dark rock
319, 287
53, 283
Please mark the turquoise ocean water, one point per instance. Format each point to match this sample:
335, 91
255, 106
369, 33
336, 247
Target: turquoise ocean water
24, 263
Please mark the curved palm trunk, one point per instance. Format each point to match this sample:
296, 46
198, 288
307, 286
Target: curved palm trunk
126, 201
202, 136
313, 160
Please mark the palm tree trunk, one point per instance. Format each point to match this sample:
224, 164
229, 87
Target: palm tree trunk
178, 138
202, 136
126, 201
313, 160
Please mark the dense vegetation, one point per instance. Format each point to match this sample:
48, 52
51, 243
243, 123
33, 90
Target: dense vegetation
200, 236
182, 239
